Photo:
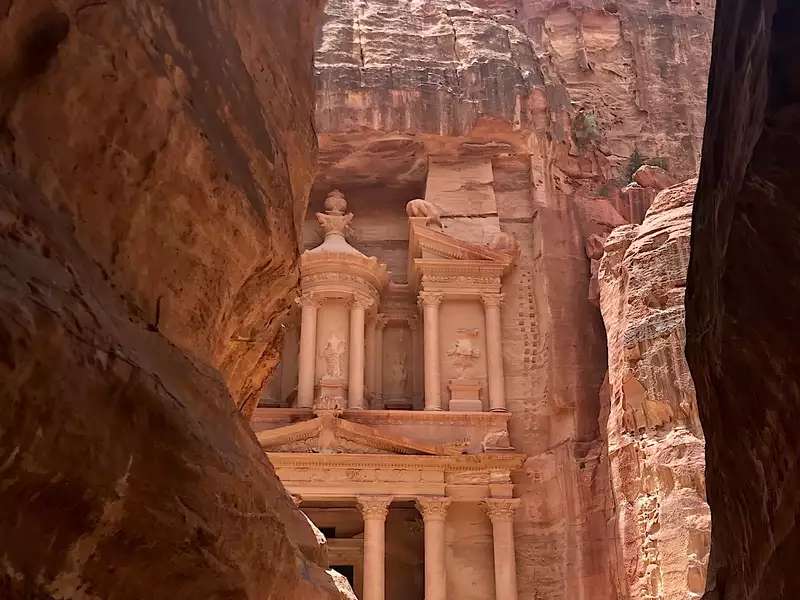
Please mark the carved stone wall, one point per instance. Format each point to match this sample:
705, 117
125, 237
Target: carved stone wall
516, 113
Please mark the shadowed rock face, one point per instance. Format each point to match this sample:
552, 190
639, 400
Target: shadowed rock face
741, 307
154, 160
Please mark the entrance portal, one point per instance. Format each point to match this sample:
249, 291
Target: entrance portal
343, 527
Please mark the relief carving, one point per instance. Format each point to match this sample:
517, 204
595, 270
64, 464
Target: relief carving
422, 208
464, 353
333, 354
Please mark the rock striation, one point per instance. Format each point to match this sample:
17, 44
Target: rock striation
741, 309
154, 163
655, 442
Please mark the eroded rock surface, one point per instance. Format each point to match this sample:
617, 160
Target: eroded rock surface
742, 319
154, 159
655, 441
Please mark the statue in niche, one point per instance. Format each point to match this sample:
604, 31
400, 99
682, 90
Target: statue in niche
464, 352
333, 353
399, 372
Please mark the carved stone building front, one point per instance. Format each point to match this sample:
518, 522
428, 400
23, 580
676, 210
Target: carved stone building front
387, 419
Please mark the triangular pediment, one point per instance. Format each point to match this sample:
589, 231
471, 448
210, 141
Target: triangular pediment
332, 434
428, 243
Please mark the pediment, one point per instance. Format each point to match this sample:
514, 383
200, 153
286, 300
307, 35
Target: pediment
331, 434
431, 244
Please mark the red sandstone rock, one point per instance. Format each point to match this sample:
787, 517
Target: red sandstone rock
654, 436
742, 316
650, 176
518, 114
154, 160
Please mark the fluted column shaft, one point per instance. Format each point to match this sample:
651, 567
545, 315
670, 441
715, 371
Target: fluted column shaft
430, 314
494, 351
355, 380
306, 368
416, 363
501, 513
380, 325
374, 510
370, 357
434, 515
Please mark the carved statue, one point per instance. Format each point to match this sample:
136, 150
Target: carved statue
422, 208
333, 353
463, 351
495, 440
399, 372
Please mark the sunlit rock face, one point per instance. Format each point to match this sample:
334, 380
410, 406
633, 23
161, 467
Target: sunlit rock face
741, 308
154, 162
528, 118
655, 441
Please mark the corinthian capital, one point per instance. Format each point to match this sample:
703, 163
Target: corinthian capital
430, 298
374, 507
501, 509
308, 299
492, 299
433, 507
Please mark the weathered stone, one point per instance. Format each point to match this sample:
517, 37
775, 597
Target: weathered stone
652, 177
514, 116
742, 319
654, 437
154, 159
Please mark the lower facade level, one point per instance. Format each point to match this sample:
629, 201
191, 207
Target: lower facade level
432, 548
415, 505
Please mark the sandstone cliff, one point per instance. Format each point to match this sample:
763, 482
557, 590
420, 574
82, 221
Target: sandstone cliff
523, 116
741, 309
154, 163
655, 441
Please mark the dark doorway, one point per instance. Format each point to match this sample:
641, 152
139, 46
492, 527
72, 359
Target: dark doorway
348, 572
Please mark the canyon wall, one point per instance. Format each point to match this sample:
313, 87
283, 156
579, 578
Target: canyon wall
741, 311
154, 163
527, 117
655, 441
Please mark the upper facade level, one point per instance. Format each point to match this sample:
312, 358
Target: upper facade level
433, 342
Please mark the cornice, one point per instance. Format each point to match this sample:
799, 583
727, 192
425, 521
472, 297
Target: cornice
447, 464
406, 417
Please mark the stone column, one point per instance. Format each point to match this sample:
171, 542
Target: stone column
430, 313
416, 365
307, 360
355, 380
369, 370
374, 510
380, 324
501, 513
494, 352
434, 513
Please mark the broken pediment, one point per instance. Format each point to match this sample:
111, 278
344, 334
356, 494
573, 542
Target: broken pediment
437, 260
428, 243
332, 434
